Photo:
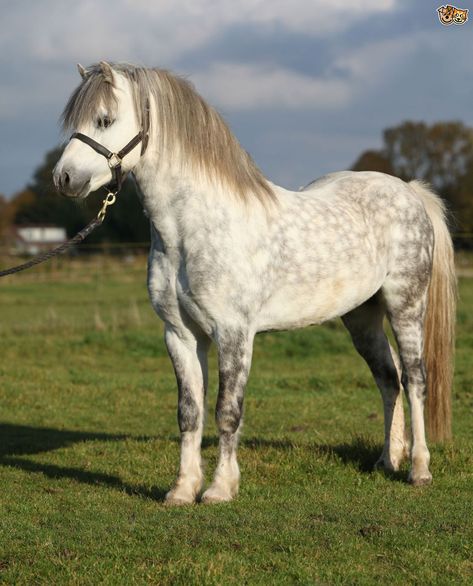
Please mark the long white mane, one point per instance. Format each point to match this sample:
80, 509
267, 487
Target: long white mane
186, 125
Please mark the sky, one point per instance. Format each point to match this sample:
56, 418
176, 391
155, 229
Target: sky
306, 85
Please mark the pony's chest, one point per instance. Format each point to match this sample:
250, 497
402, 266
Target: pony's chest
174, 290
161, 285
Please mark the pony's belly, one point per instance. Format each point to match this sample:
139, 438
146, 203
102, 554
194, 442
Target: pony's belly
293, 307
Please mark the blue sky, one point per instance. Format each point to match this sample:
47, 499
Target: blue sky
306, 85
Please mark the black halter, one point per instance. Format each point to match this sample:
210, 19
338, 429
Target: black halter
115, 159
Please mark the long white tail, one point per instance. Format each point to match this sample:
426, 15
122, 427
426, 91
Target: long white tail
439, 328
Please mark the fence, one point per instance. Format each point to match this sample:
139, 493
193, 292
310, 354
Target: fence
91, 260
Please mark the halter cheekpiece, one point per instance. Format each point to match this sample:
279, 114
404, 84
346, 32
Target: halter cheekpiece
114, 159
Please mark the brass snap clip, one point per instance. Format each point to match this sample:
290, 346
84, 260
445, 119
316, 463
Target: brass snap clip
109, 200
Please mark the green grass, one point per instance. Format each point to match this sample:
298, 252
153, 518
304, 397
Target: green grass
89, 446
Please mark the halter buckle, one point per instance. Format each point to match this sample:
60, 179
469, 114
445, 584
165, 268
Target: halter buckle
114, 161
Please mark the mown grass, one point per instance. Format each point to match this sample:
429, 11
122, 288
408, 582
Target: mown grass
89, 446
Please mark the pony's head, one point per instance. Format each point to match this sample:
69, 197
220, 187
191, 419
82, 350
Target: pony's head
114, 103
105, 109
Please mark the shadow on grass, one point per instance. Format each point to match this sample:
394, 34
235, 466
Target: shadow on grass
86, 477
363, 455
18, 440
21, 440
360, 453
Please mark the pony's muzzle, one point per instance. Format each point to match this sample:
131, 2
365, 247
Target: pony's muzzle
70, 183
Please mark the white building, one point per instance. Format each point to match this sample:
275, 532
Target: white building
36, 238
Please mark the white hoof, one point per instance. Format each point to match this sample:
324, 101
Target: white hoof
422, 479
180, 495
216, 494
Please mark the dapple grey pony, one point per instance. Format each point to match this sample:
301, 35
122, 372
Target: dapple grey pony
233, 255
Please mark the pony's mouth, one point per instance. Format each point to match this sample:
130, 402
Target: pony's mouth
80, 193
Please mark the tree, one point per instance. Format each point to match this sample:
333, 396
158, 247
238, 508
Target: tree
373, 161
3, 216
17, 209
440, 154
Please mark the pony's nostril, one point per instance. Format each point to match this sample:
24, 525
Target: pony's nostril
67, 179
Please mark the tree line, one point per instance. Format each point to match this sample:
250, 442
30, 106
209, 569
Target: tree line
440, 154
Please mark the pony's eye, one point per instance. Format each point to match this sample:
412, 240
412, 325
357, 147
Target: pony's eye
104, 122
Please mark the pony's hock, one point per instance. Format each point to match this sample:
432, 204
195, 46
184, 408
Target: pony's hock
233, 255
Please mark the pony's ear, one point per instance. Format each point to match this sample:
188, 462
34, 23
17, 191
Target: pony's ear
82, 71
107, 71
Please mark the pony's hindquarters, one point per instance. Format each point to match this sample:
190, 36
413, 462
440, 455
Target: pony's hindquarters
439, 328
419, 292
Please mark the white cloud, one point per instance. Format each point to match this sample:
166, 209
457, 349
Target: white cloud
46, 38
241, 87
40, 42
231, 86
159, 32
370, 63
54, 33
312, 17
237, 86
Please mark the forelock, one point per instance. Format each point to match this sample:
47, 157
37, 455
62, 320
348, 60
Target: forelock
94, 92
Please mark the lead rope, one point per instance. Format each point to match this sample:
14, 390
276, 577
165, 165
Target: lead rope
109, 200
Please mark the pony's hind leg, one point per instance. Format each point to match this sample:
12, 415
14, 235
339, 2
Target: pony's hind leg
365, 324
406, 311
234, 359
188, 353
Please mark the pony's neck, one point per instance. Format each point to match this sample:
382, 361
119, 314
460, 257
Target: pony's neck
171, 197
181, 203
165, 182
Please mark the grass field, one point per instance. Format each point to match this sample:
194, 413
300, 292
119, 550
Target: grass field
89, 446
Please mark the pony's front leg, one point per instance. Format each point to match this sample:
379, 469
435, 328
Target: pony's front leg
234, 356
189, 357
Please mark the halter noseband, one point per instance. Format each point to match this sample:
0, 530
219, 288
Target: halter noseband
114, 159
